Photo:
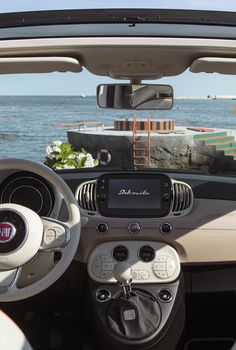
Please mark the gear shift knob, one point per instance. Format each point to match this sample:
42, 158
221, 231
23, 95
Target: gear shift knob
123, 274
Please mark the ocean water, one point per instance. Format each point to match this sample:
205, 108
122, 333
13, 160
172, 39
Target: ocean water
25, 120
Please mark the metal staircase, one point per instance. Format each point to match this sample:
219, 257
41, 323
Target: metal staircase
141, 145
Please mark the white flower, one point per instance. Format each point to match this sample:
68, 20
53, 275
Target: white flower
89, 156
56, 149
57, 143
68, 166
48, 150
89, 163
80, 156
72, 156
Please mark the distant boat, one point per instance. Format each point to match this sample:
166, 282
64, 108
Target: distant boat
82, 96
222, 97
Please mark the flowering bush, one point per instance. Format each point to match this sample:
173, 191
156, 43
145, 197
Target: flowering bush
60, 155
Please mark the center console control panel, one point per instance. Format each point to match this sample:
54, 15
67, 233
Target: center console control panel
151, 262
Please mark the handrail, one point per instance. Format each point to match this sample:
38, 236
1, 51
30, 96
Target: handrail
80, 124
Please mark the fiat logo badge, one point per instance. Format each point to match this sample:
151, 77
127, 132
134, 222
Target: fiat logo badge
7, 232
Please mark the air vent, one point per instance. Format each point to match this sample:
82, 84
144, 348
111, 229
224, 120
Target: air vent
182, 199
86, 195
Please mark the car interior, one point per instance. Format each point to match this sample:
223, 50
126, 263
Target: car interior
109, 258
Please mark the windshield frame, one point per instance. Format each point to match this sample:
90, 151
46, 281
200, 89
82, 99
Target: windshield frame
130, 16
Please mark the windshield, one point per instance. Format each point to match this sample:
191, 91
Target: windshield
195, 135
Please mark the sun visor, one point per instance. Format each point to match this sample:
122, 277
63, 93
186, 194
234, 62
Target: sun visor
220, 65
13, 65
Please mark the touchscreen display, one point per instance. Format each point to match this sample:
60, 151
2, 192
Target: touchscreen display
134, 194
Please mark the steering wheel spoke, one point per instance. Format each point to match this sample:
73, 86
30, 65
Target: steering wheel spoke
56, 235
8, 280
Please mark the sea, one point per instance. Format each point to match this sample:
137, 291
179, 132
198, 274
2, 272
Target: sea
26, 128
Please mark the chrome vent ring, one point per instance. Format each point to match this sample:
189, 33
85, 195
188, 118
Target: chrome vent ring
86, 196
182, 198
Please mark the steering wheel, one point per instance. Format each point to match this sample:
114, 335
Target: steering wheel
23, 234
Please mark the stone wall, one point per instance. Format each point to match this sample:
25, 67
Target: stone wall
167, 151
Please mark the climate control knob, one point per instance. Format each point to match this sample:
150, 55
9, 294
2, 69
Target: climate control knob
120, 253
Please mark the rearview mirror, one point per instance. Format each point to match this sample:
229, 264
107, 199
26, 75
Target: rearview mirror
135, 96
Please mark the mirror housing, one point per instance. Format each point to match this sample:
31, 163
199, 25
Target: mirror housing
135, 96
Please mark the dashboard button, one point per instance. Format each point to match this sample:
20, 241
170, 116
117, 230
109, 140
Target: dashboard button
164, 295
102, 228
108, 266
165, 228
97, 266
170, 267
159, 266
103, 295
135, 275
106, 258
161, 274
161, 258
134, 227
166, 197
144, 275
106, 274
101, 197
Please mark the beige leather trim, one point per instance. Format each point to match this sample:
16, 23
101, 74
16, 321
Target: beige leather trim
206, 235
13, 65
108, 56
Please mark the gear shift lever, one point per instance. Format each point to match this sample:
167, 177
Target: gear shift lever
123, 275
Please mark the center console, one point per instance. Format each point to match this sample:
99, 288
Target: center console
142, 302
136, 286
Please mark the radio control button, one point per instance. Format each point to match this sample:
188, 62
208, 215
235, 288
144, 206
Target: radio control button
134, 227
166, 197
161, 274
170, 267
165, 228
102, 228
102, 197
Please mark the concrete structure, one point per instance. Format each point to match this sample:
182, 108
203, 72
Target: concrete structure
210, 152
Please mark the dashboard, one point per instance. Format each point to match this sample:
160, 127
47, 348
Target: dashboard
194, 214
200, 223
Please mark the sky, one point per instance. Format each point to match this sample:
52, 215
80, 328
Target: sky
188, 84
30, 5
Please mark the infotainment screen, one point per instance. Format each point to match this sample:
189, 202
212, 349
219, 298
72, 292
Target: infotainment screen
134, 195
